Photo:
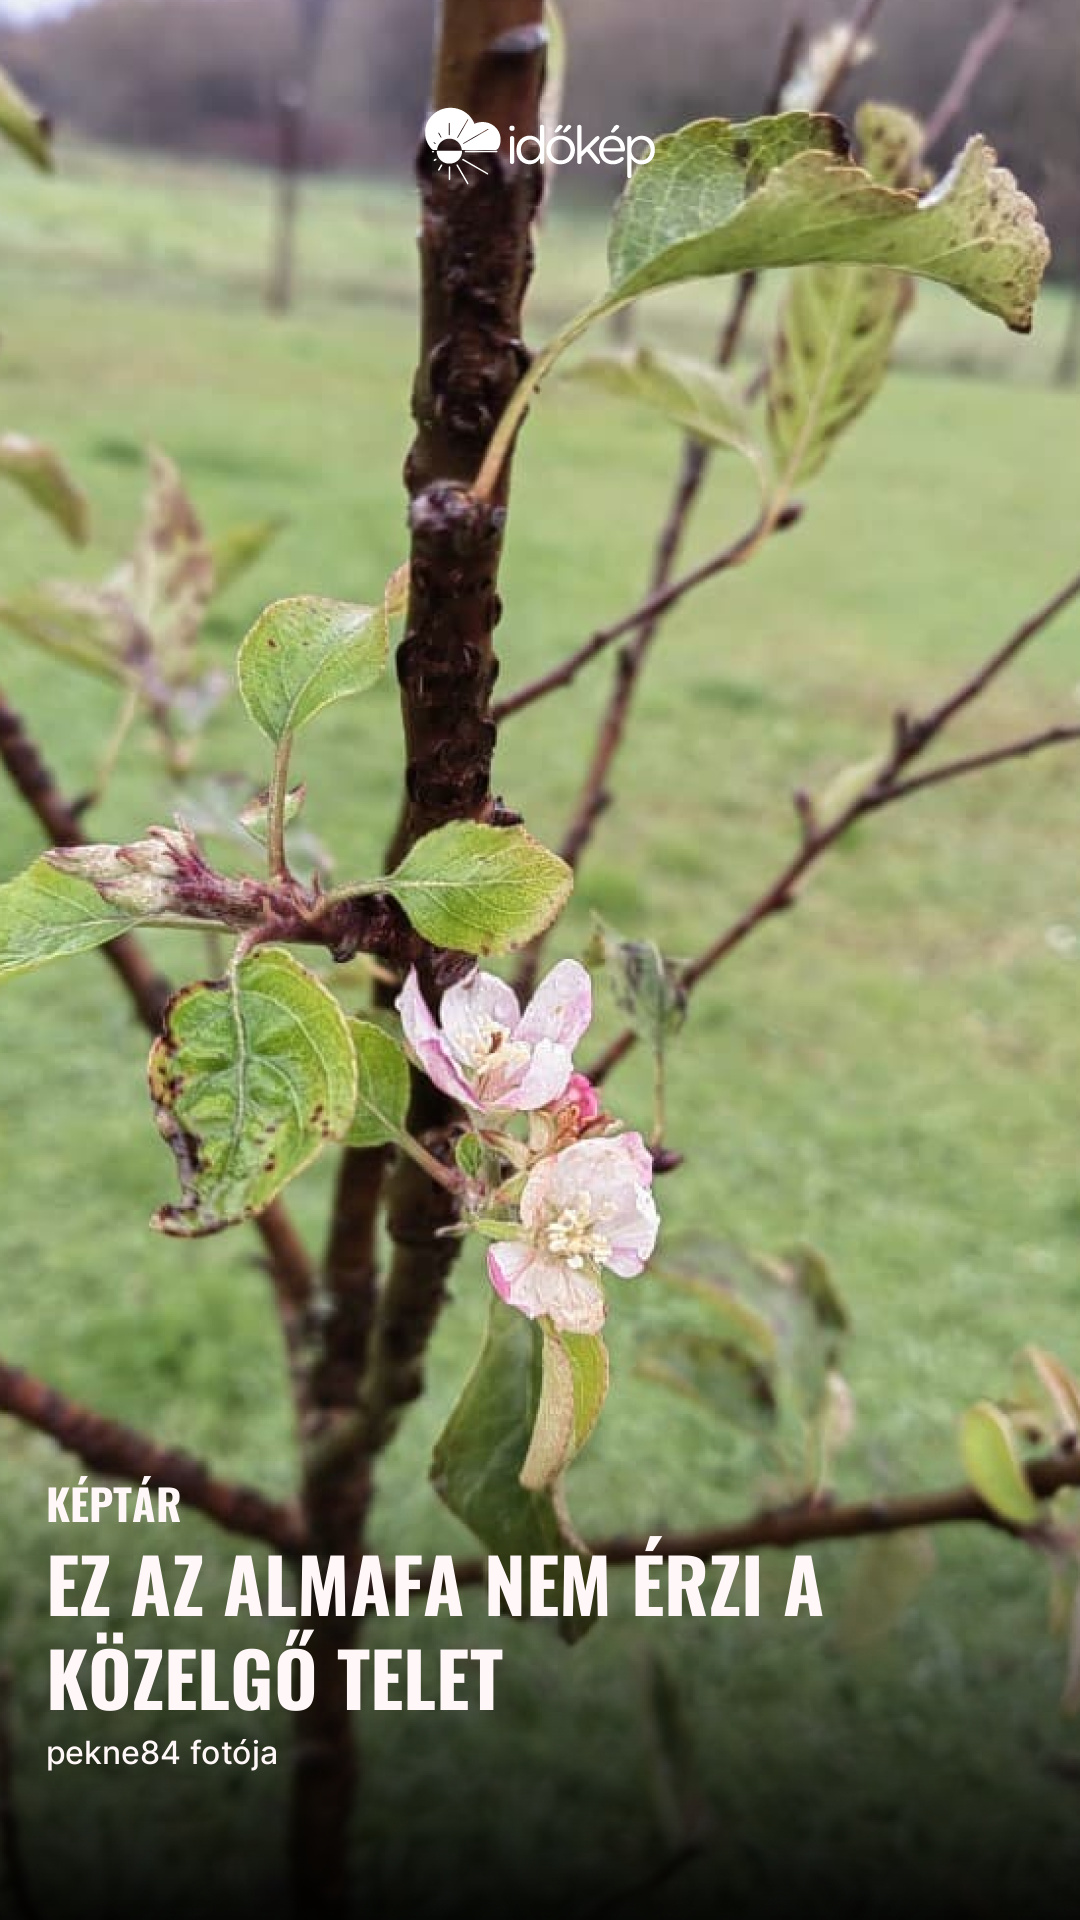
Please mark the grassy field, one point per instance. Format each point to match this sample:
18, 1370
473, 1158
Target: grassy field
890, 1073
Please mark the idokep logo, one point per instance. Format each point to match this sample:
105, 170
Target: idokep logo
454, 137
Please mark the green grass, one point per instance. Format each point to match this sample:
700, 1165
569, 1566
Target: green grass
891, 1072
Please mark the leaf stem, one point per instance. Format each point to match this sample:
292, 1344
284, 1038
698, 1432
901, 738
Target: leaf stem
277, 800
502, 439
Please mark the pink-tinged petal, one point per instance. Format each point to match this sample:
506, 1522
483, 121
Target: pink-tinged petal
544, 1078
423, 1038
537, 1192
536, 1284
561, 1007
506, 1261
469, 1009
638, 1154
633, 1236
582, 1095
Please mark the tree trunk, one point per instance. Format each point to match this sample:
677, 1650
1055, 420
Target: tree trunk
476, 257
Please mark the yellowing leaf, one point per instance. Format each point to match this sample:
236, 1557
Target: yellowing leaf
702, 400
250, 1079
783, 192
23, 125
838, 324
42, 475
574, 1386
992, 1463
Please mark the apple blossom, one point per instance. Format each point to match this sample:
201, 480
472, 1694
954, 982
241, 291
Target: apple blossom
484, 1051
585, 1208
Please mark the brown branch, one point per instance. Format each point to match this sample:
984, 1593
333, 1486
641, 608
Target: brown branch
911, 738
810, 1525
657, 603
107, 1447
980, 49
476, 259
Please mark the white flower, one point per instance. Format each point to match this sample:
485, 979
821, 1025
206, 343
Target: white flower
583, 1209
485, 1052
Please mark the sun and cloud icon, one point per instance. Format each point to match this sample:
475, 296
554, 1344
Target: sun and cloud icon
454, 137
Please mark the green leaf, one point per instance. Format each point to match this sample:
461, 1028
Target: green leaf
784, 192
700, 399
170, 580
838, 324
992, 1463
251, 1077
479, 889
717, 1375
46, 915
238, 548
574, 1384
23, 125
86, 626
383, 1086
43, 476
478, 1458
469, 1155
303, 654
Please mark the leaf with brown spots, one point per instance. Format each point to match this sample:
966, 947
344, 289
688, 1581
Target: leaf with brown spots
785, 192
170, 578
250, 1079
838, 324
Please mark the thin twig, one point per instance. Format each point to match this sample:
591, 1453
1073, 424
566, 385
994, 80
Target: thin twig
107, 1447
911, 738
811, 1524
657, 603
645, 622
980, 49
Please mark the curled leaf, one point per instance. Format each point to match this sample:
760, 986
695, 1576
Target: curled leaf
23, 125
784, 191
992, 1462
249, 1080
42, 475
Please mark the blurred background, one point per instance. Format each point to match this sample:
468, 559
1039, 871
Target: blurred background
889, 1074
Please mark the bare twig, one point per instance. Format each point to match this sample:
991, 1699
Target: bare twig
980, 49
105, 1446
657, 603
645, 622
887, 786
809, 1524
